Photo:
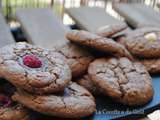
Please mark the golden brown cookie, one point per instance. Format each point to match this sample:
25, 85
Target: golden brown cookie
126, 82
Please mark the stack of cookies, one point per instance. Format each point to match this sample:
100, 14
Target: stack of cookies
43, 82
117, 75
55, 82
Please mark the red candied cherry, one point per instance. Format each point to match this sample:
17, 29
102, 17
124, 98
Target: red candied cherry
32, 61
5, 101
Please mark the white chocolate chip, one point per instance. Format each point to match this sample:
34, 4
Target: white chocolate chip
151, 37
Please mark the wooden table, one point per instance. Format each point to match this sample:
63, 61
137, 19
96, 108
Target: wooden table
42, 27
138, 15
5, 33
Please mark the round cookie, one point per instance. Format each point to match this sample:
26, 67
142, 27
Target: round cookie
126, 82
74, 102
144, 42
110, 30
77, 58
86, 82
98, 42
34, 69
8, 109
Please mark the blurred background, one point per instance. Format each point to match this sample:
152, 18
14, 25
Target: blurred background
8, 8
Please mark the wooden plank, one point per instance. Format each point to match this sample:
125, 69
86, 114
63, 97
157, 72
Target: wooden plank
41, 27
5, 33
148, 11
91, 19
158, 4
136, 15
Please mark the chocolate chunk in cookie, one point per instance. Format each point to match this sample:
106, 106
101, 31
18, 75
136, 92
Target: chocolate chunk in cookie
144, 42
126, 82
77, 58
74, 102
98, 42
110, 30
34, 69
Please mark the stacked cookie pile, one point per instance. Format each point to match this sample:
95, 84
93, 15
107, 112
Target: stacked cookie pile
117, 75
46, 80
43, 81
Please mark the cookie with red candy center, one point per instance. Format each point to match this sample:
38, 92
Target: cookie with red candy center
35, 69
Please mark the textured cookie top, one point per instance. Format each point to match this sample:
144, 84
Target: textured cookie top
144, 42
98, 42
125, 81
74, 102
77, 58
33, 68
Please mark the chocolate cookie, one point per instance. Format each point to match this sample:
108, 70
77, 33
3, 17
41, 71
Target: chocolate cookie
34, 69
152, 65
110, 30
98, 42
144, 42
126, 82
77, 58
13, 113
87, 83
8, 109
74, 102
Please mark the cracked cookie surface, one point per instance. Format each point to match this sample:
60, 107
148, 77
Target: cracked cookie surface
98, 42
126, 82
34, 69
74, 102
144, 42
77, 58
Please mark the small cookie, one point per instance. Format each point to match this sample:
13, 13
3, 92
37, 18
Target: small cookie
88, 84
8, 109
126, 82
77, 58
110, 30
152, 65
34, 69
75, 102
98, 42
144, 42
